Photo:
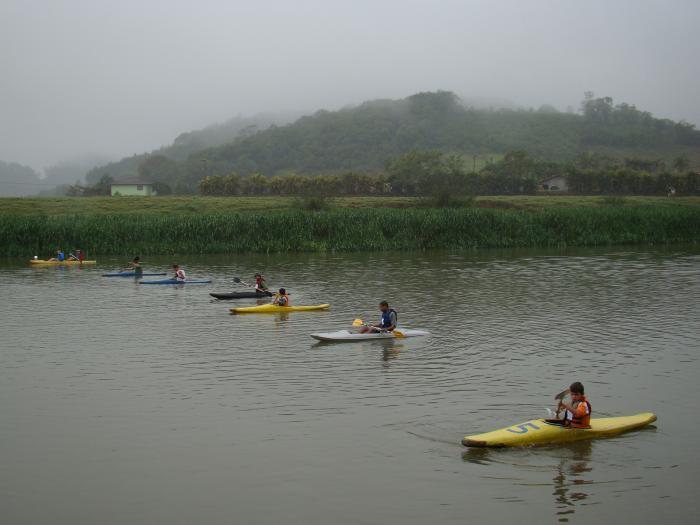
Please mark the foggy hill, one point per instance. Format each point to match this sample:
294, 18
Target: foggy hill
190, 142
365, 137
17, 180
72, 170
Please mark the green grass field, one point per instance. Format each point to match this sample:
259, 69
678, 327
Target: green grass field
201, 205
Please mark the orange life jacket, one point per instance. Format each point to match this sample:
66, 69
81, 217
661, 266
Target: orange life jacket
286, 303
581, 417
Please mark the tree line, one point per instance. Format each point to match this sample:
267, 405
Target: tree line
435, 174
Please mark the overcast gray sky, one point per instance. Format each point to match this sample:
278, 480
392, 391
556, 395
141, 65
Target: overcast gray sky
115, 78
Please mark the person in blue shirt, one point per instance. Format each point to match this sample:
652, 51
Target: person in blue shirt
387, 323
60, 256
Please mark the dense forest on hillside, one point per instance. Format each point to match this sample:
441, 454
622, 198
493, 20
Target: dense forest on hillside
365, 139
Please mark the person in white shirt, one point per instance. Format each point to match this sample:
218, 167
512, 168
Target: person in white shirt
179, 273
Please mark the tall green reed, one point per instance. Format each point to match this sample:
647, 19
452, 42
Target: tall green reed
346, 230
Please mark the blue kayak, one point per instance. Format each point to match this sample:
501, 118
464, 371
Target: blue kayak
131, 274
175, 281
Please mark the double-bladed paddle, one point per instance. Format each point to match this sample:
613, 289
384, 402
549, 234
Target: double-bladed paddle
358, 322
238, 280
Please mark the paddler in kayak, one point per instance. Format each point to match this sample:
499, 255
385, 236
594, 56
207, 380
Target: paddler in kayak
179, 273
387, 323
578, 413
281, 298
260, 286
134, 266
77, 256
60, 256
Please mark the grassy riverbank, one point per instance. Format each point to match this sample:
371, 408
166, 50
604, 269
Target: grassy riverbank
121, 229
196, 205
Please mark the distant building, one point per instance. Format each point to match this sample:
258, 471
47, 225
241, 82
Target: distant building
132, 188
556, 183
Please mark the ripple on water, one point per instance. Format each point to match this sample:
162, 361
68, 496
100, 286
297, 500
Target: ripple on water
509, 330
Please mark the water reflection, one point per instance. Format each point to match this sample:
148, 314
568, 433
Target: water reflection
392, 349
281, 318
389, 349
570, 473
569, 482
479, 456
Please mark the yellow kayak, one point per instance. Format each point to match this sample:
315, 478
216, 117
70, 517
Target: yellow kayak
273, 308
540, 431
59, 263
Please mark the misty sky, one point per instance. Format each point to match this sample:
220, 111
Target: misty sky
104, 77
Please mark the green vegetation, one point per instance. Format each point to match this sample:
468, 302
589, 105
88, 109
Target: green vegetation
366, 138
313, 203
614, 200
443, 178
61, 206
212, 226
101, 188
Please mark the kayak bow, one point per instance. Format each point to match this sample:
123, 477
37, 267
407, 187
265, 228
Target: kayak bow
540, 431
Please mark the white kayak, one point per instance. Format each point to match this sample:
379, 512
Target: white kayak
348, 336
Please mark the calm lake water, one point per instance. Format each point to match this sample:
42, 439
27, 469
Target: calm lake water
128, 404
